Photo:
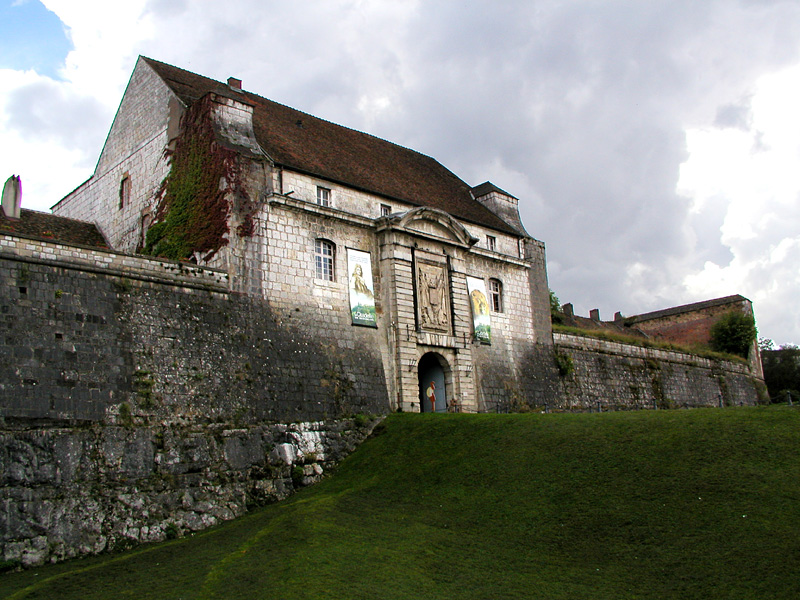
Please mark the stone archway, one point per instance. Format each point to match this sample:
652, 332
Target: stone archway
432, 373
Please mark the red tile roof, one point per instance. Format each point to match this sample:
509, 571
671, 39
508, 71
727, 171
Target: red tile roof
54, 228
301, 142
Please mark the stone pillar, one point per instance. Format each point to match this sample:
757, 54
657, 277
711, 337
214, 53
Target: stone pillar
463, 367
396, 264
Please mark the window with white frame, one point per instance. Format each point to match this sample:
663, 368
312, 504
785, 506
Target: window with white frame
386, 210
491, 243
324, 255
323, 196
496, 295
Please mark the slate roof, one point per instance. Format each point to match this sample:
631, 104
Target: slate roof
304, 143
51, 227
488, 187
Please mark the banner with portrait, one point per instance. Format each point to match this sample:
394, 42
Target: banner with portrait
362, 293
481, 322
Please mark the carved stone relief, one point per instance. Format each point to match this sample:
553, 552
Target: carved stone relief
433, 297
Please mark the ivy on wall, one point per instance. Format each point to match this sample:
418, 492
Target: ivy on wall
193, 203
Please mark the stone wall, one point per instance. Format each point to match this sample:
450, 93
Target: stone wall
139, 398
85, 337
611, 375
134, 147
69, 491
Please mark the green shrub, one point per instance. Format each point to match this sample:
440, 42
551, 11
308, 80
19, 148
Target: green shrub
564, 363
781, 372
734, 333
9, 565
172, 532
555, 308
125, 416
297, 475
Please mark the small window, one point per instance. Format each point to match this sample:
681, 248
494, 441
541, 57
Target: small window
386, 210
496, 295
323, 196
147, 219
324, 253
124, 190
491, 243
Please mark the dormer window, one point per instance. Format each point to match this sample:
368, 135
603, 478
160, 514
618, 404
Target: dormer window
323, 196
491, 243
124, 191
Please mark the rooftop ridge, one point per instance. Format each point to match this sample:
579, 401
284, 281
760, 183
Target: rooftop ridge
245, 92
686, 308
342, 154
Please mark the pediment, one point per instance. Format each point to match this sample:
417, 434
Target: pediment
434, 223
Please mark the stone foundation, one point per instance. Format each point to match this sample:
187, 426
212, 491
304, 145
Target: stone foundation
83, 490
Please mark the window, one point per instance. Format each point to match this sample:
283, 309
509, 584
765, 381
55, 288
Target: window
147, 219
324, 253
124, 190
386, 210
491, 243
496, 295
323, 196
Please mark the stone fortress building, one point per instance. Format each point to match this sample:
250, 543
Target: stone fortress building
312, 200
205, 323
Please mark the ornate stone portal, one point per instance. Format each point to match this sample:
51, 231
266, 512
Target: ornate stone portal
433, 297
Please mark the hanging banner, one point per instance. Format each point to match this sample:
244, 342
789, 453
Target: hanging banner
362, 295
480, 310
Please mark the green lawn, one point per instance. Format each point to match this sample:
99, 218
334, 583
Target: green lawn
652, 504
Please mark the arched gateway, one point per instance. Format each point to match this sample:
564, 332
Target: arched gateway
432, 391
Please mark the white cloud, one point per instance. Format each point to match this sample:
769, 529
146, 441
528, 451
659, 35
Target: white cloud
754, 172
607, 120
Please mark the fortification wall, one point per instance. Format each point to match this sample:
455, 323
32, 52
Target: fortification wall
86, 331
611, 375
139, 397
69, 491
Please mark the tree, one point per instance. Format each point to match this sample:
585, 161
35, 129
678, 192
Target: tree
765, 344
555, 308
733, 333
782, 372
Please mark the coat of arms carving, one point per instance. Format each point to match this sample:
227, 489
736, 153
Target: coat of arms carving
433, 297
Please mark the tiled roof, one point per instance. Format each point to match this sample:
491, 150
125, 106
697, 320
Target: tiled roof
51, 227
305, 143
487, 187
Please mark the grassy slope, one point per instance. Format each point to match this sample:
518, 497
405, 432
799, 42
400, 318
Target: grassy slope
668, 504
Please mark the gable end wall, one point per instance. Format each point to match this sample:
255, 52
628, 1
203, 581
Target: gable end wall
135, 146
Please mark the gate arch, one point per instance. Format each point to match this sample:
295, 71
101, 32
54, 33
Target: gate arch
434, 376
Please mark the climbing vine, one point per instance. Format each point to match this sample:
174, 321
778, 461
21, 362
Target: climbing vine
192, 204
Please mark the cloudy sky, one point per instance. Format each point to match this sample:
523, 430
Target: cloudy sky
654, 146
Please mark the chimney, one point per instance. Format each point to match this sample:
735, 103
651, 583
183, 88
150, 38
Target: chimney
235, 84
594, 314
618, 316
568, 310
12, 197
